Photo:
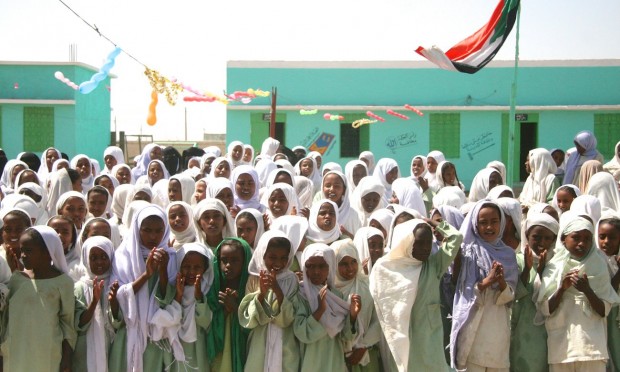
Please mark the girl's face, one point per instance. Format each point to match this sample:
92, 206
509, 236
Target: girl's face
83, 167
33, 255
200, 191
417, 167
13, 228
245, 187
64, 230
246, 229
580, 149
449, 175
558, 157
226, 196
437, 218
489, 224
319, 162
156, 153
50, 157
402, 218
375, 247
283, 177
155, 172
276, 258
192, 267
107, 183
141, 195
110, 161
237, 153
152, 232
123, 175
578, 243
608, 238
392, 175
494, 180
98, 228
317, 270
564, 200
431, 163
370, 201
347, 268
423, 243
247, 155
99, 261
306, 167
62, 165
358, 173
97, 203
550, 211
333, 188
178, 219
528, 167
377, 225
540, 239
207, 166
326, 219
174, 191
231, 262
212, 223
16, 169
74, 209
278, 203
222, 170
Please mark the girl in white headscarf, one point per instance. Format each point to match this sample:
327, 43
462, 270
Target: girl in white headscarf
405, 288
250, 226
84, 166
268, 308
323, 319
41, 342
323, 222
295, 227
585, 145
141, 270
367, 198
123, 174
564, 196
604, 187
614, 164
155, 172
96, 331
246, 188
235, 153
11, 169
405, 193
48, 157
248, 154
181, 188
450, 195
432, 161
382, 219
213, 222
575, 297
512, 230
182, 227
222, 189
280, 200
501, 191
334, 187
541, 183
485, 180
368, 158
142, 165
354, 171
112, 156
387, 171
308, 168
270, 147
446, 175
587, 205
369, 242
304, 188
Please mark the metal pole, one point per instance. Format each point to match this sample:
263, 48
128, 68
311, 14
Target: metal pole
511, 118
272, 118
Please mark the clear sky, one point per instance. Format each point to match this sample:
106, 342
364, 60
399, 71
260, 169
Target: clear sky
193, 40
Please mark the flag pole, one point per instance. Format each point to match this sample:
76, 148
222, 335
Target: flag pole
511, 116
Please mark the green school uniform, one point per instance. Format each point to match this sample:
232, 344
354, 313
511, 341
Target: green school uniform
528, 342
319, 352
613, 337
196, 352
425, 330
257, 316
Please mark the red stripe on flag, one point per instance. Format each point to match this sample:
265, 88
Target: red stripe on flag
476, 41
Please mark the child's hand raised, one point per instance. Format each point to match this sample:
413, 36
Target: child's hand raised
97, 289
179, 287
529, 258
365, 265
582, 284
161, 257
355, 307
151, 263
198, 287
323, 297
228, 299
569, 279
112, 297
13, 261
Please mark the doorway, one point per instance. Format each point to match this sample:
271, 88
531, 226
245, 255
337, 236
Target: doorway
528, 141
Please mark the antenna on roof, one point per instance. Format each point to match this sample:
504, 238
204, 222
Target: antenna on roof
72, 52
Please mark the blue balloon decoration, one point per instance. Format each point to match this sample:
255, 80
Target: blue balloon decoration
90, 85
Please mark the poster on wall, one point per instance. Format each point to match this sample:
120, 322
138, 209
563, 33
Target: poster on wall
322, 143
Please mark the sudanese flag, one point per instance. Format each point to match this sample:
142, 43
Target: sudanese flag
473, 53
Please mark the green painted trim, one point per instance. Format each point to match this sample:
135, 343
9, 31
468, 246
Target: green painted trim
607, 133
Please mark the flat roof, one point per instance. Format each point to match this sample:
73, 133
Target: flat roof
49, 63
418, 64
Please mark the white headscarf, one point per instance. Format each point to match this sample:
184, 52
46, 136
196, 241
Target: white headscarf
495, 192
441, 183
370, 158
587, 205
53, 245
42, 216
6, 181
211, 204
248, 146
43, 171
367, 185
63, 199
384, 166
254, 201
187, 186
187, 236
541, 179
231, 147
614, 164
347, 216
304, 190
394, 286
331, 166
586, 140
554, 201
260, 224
385, 217
423, 158
315, 176
361, 243
335, 315
213, 150
315, 233
511, 207
117, 167
270, 147
288, 192
480, 184
450, 195
60, 183
348, 172
295, 228
409, 195
87, 183
129, 264
264, 168
143, 161
432, 177
100, 332
115, 152
604, 187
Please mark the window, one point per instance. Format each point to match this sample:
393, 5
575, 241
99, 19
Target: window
607, 133
445, 134
353, 140
38, 128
